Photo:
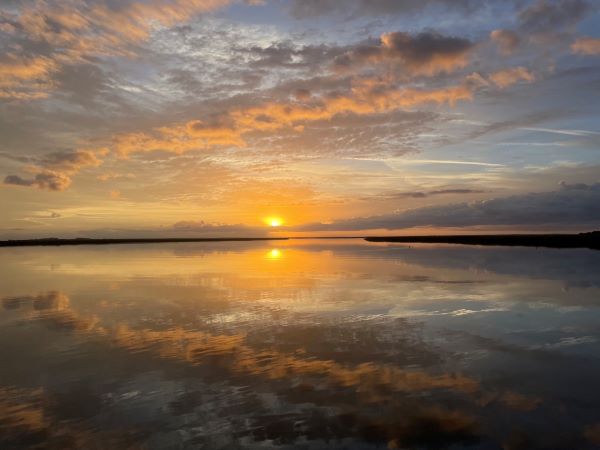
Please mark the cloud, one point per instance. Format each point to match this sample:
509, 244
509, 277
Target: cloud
52, 34
425, 194
286, 54
506, 40
426, 53
502, 78
85, 28
46, 179
25, 78
205, 227
303, 9
571, 205
178, 139
54, 170
115, 176
385, 134
517, 122
367, 97
508, 77
552, 15
586, 46
70, 160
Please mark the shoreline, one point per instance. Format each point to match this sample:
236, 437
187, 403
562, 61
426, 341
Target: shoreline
116, 241
589, 240
582, 240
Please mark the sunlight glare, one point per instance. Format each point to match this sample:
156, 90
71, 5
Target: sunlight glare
274, 221
274, 254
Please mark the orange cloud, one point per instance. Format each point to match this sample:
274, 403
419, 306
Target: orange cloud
586, 46
367, 97
81, 28
506, 40
25, 78
422, 54
78, 30
177, 139
508, 77
71, 161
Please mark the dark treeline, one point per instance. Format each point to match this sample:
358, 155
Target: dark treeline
581, 240
91, 241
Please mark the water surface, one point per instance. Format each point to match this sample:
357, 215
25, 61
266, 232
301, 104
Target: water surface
299, 344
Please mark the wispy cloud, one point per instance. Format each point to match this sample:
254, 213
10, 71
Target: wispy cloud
580, 133
446, 161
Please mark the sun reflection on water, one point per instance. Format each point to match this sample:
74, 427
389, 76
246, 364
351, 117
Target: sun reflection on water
275, 253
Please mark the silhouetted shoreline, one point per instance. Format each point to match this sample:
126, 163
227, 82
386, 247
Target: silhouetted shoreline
93, 241
581, 240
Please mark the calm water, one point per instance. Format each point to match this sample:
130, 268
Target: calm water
299, 344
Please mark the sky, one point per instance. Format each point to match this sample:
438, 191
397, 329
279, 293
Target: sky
137, 118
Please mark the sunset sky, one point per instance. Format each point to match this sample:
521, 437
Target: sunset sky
141, 118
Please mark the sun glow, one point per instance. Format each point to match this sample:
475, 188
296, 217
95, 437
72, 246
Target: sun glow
274, 254
274, 221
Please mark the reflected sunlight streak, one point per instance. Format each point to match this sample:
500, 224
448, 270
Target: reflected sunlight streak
274, 254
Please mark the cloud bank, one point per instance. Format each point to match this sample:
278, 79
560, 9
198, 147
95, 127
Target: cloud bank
575, 204
53, 171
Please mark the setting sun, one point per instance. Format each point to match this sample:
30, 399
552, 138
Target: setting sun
274, 221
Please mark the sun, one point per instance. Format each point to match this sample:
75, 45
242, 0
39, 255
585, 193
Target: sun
274, 221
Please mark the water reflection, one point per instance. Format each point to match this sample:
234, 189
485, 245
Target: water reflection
314, 344
274, 254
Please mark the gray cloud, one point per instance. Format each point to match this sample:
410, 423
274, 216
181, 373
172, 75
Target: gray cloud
506, 40
525, 120
17, 180
571, 205
386, 134
423, 53
52, 181
18, 158
424, 194
303, 9
54, 170
552, 15
87, 84
285, 54
69, 160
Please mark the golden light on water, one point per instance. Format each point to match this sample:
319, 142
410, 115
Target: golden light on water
274, 254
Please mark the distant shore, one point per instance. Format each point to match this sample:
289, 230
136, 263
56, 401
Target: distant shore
581, 240
93, 241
